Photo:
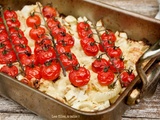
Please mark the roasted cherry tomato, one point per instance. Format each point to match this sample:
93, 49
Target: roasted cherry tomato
13, 23
32, 72
114, 52
69, 60
3, 36
10, 14
10, 70
14, 31
116, 65
99, 65
6, 45
27, 59
108, 35
105, 44
89, 46
7, 56
65, 39
36, 33
58, 30
63, 49
16, 40
22, 48
49, 12
33, 20
50, 70
127, 77
105, 77
84, 30
52, 22
47, 54
79, 76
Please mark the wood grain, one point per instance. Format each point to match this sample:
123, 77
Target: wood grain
147, 109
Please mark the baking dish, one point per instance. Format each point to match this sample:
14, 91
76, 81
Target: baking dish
115, 19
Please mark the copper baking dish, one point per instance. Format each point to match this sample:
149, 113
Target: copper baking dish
137, 27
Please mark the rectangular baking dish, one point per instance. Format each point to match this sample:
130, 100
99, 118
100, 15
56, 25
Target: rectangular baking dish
137, 27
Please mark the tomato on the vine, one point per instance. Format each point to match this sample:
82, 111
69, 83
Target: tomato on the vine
13, 23
7, 56
10, 70
16, 40
33, 20
68, 60
5, 45
50, 70
4, 36
105, 44
32, 71
114, 52
108, 35
63, 49
79, 76
46, 54
89, 46
55, 31
65, 39
28, 59
22, 48
36, 33
10, 14
126, 77
99, 64
52, 22
49, 12
84, 30
116, 65
105, 77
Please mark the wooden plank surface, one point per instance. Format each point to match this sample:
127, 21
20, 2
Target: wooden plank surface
147, 109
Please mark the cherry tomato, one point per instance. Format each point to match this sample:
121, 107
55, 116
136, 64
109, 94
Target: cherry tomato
99, 65
10, 14
63, 49
7, 56
6, 45
114, 52
69, 60
49, 12
44, 40
33, 20
32, 72
58, 30
10, 70
13, 23
79, 76
36, 33
3, 36
22, 48
44, 44
45, 55
108, 35
50, 70
28, 59
52, 22
105, 44
105, 77
14, 31
2, 27
127, 77
84, 30
116, 65
89, 46
16, 40
65, 39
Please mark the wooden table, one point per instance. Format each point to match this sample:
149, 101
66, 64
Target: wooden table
147, 109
